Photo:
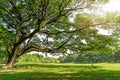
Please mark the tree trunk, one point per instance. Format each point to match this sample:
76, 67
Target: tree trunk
11, 60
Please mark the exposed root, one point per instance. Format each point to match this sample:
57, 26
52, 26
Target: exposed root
8, 67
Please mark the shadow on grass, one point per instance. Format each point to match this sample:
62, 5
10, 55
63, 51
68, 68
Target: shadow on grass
58, 72
47, 65
95, 75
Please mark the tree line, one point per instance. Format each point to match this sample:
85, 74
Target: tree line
84, 57
91, 57
32, 58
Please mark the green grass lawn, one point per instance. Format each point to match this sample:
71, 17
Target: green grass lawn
36, 71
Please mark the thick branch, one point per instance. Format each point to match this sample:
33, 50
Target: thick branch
59, 47
34, 48
44, 8
27, 36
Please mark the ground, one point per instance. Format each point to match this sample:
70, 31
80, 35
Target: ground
51, 71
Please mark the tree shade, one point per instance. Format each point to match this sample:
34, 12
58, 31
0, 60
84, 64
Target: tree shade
45, 26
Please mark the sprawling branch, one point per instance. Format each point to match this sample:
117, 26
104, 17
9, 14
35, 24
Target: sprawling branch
34, 48
27, 36
62, 44
29, 47
45, 3
72, 31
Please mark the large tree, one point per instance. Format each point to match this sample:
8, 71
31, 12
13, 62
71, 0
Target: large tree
47, 26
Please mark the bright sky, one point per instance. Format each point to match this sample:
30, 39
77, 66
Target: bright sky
113, 5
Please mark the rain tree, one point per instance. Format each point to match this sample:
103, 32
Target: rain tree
51, 26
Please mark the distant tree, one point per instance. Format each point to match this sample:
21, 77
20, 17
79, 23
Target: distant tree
116, 57
70, 58
62, 58
30, 58
91, 56
37, 58
50, 60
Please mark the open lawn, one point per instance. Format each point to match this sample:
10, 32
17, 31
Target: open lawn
36, 71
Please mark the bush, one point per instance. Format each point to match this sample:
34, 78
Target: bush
36, 58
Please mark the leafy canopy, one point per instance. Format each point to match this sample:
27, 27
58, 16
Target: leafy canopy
45, 26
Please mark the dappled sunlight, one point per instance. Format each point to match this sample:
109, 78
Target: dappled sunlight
102, 71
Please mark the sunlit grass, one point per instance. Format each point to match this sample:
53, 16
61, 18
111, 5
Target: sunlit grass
37, 71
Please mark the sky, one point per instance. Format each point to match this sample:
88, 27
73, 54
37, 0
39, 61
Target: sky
112, 5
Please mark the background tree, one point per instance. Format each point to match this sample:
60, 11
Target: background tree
3, 45
37, 58
45, 26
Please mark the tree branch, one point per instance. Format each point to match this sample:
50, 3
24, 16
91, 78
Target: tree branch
72, 31
64, 43
34, 48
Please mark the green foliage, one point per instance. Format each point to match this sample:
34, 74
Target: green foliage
3, 57
36, 58
70, 58
91, 57
112, 20
3, 44
82, 21
112, 17
22, 16
104, 1
30, 58
116, 57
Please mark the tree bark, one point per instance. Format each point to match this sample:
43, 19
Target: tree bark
11, 60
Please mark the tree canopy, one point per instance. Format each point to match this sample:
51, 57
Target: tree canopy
46, 26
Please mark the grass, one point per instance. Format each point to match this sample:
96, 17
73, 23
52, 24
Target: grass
37, 71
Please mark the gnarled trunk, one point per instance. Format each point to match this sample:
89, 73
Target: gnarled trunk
11, 60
